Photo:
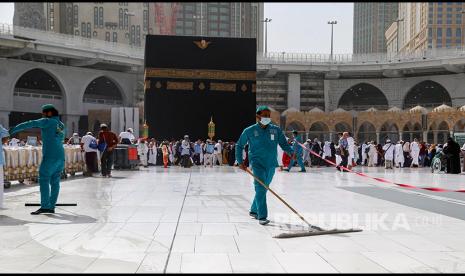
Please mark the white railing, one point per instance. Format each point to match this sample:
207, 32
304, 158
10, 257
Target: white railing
72, 41
376, 58
115, 48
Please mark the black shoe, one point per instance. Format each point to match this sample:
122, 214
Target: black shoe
302, 171
263, 221
254, 215
43, 211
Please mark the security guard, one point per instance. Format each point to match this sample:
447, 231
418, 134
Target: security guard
53, 156
263, 139
298, 152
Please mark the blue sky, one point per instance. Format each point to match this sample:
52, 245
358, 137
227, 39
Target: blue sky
295, 27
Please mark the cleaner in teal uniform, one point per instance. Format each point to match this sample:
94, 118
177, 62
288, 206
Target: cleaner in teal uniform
263, 139
53, 156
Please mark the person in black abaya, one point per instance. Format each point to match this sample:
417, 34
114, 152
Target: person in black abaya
452, 151
231, 155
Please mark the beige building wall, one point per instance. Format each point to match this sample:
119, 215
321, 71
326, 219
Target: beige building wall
110, 21
429, 25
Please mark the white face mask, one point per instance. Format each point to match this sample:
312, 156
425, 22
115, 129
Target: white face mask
265, 121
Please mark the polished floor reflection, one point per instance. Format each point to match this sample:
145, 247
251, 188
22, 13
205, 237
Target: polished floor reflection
196, 220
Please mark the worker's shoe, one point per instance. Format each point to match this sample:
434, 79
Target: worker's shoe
254, 215
263, 221
43, 211
303, 171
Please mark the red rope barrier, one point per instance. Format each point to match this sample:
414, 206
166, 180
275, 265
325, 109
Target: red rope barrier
382, 179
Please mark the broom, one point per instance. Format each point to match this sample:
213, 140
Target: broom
315, 230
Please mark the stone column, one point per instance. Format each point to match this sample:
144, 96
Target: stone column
4, 119
425, 136
377, 137
411, 136
400, 135
451, 133
435, 135
330, 136
71, 123
293, 91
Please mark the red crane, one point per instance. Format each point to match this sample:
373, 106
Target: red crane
166, 27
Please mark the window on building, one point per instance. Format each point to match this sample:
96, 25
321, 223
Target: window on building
224, 10
120, 19
107, 36
439, 9
213, 9
100, 17
189, 24
76, 16
133, 34
448, 42
95, 17
458, 18
83, 29
439, 20
188, 31
213, 17
115, 37
88, 30
145, 22
146, 4
439, 33
125, 19
138, 35
458, 35
449, 10
449, 32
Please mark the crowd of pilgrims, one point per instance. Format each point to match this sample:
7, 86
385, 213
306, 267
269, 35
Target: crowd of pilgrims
390, 154
186, 153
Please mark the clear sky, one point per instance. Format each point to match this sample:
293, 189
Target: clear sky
295, 27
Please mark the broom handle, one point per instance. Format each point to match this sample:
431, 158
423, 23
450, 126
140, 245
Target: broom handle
282, 200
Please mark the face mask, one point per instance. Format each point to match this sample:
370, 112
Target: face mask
265, 121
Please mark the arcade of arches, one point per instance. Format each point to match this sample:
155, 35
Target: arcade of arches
364, 111
43, 87
433, 127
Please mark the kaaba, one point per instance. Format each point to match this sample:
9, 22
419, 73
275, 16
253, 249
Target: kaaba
191, 80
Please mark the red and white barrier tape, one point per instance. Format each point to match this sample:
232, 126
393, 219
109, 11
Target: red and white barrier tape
382, 179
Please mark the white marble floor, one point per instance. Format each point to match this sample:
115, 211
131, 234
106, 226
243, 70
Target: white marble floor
196, 220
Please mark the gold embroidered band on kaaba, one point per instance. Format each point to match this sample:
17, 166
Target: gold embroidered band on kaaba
200, 74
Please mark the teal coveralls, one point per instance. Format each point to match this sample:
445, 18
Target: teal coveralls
263, 145
298, 154
53, 157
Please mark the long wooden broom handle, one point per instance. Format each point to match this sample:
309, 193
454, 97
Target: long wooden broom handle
282, 200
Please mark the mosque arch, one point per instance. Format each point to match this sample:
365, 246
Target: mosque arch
43, 87
103, 90
389, 130
319, 130
363, 96
366, 132
427, 94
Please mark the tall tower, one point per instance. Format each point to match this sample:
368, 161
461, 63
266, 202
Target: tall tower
371, 19
223, 19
